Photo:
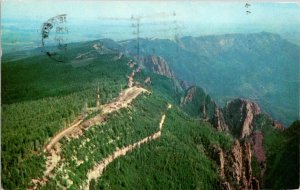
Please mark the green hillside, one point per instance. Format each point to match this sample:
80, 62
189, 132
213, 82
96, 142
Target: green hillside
39, 98
179, 160
42, 98
283, 158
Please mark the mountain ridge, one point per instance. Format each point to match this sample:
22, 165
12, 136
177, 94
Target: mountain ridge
259, 66
194, 132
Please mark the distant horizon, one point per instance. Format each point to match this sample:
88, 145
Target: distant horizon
151, 38
117, 20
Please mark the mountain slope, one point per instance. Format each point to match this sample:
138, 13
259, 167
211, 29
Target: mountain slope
178, 160
42, 98
262, 67
52, 100
282, 154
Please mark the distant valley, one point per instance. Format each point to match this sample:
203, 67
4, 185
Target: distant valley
262, 67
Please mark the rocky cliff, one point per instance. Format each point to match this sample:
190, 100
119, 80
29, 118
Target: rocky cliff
256, 140
235, 167
189, 96
245, 121
241, 118
196, 102
158, 65
218, 120
239, 115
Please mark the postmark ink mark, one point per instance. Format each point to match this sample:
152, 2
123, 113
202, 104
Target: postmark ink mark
54, 38
248, 5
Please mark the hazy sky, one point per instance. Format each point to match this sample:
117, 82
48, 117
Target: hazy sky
215, 12
162, 19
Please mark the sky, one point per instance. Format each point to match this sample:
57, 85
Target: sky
161, 19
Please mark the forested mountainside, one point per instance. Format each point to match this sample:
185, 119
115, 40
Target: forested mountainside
262, 67
104, 120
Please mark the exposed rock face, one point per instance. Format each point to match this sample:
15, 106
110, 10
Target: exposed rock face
235, 166
239, 116
218, 120
235, 163
219, 157
247, 167
258, 149
204, 107
278, 125
251, 110
189, 96
258, 146
197, 103
147, 80
158, 65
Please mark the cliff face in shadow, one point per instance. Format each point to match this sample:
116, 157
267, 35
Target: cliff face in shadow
157, 65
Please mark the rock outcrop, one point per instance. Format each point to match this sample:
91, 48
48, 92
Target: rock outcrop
235, 166
258, 151
252, 109
235, 161
198, 104
240, 115
147, 80
219, 157
190, 94
157, 65
218, 120
278, 125
201, 105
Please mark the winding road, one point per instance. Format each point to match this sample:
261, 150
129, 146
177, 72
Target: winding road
75, 129
98, 169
